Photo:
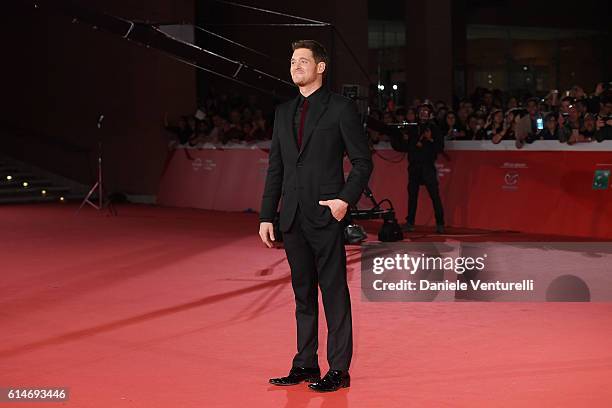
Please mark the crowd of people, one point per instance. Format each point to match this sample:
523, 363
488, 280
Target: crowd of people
221, 120
571, 117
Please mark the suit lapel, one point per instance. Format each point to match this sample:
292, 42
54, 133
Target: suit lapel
312, 118
290, 115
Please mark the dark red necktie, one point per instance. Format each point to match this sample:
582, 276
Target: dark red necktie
302, 120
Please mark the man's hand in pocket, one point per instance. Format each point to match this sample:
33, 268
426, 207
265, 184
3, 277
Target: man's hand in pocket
338, 207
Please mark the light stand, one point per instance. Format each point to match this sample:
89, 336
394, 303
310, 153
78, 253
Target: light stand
98, 186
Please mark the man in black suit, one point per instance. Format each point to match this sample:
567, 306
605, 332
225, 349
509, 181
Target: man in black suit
311, 134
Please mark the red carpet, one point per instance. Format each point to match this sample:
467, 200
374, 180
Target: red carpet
186, 308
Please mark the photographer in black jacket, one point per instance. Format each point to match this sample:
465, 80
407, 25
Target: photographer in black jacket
422, 141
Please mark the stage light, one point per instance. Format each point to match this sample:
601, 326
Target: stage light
44, 192
25, 184
9, 177
381, 87
62, 199
525, 68
394, 87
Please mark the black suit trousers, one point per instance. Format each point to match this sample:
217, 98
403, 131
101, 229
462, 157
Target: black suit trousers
318, 259
426, 174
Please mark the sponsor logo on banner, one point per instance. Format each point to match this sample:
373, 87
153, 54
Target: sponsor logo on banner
196, 164
601, 179
206, 164
509, 165
442, 169
511, 180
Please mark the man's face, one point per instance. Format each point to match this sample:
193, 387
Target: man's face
441, 113
304, 69
424, 114
473, 123
480, 123
532, 108
565, 106
498, 117
573, 113
578, 92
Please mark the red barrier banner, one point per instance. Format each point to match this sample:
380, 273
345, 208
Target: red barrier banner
563, 191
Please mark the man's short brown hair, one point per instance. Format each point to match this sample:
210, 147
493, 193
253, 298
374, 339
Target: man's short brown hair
318, 50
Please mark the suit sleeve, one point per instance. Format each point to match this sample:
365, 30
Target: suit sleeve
356, 144
274, 177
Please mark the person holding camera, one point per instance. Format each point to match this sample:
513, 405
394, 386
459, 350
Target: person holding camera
552, 129
495, 124
475, 129
506, 130
572, 123
423, 142
451, 129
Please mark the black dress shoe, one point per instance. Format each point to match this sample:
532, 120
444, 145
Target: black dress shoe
297, 375
333, 381
440, 229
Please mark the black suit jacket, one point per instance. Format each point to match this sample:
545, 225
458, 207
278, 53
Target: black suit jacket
315, 172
